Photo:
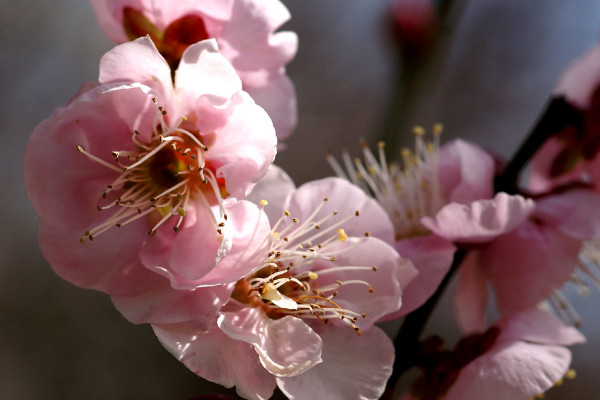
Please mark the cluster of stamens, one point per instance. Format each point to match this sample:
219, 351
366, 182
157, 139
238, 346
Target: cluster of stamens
586, 270
159, 179
408, 190
287, 282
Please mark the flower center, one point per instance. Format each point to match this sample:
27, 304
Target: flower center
159, 179
171, 42
296, 276
407, 191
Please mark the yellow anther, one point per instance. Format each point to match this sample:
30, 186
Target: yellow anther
418, 130
571, 374
263, 202
437, 129
342, 236
181, 211
312, 275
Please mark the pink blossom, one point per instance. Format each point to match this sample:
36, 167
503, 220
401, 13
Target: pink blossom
532, 262
416, 23
571, 155
152, 159
244, 30
303, 318
437, 198
518, 358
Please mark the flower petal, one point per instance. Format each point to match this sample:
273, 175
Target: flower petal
138, 61
581, 79
161, 304
285, 346
538, 327
346, 199
383, 296
513, 370
274, 187
471, 296
217, 358
527, 264
481, 220
204, 71
431, 256
354, 367
466, 172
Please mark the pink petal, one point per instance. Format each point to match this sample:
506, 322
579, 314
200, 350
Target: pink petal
204, 71
278, 98
392, 275
540, 179
189, 254
250, 244
513, 370
466, 172
527, 264
138, 61
109, 264
217, 358
431, 256
64, 185
471, 296
581, 79
574, 213
274, 187
286, 346
161, 304
346, 199
160, 12
244, 148
353, 367
538, 327
481, 220
249, 41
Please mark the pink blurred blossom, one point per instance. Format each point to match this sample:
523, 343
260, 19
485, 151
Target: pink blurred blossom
416, 23
518, 358
152, 159
244, 30
303, 319
530, 263
572, 154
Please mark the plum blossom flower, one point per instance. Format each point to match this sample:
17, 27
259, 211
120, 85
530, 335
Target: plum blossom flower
519, 357
437, 198
151, 161
302, 320
572, 153
533, 262
416, 23
244, 30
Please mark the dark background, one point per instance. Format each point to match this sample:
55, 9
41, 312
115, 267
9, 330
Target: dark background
496, 63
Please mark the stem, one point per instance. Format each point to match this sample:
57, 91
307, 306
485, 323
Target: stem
413, 326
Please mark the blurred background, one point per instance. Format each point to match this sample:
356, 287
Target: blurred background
487, 79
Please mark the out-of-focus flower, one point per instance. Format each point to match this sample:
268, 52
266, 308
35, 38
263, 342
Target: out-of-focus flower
303, 318
572, 154
244, 30
436, 199
152, 160
416, 23
532, 262
518, 358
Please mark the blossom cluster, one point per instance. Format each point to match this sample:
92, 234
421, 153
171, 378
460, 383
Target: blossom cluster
156, 185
